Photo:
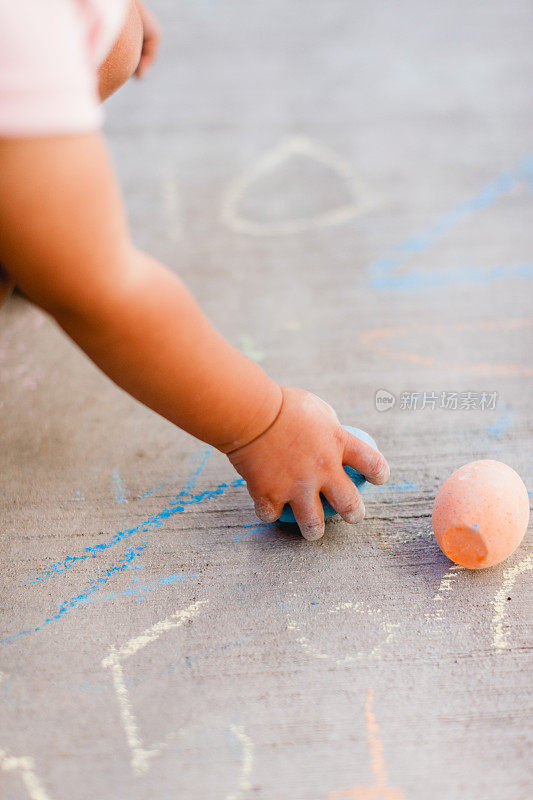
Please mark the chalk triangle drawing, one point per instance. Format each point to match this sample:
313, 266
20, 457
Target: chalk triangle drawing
390, 272
356, 652
333, 186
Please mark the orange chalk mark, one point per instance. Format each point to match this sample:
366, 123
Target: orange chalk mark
379, 790
377, 339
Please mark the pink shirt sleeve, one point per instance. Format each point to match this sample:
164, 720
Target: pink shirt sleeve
48, 64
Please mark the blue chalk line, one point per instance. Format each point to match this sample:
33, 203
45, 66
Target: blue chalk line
177, 505
384, 272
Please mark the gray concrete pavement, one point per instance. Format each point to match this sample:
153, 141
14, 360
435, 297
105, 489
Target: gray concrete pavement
346, 188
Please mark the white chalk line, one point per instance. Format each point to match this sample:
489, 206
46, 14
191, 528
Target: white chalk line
26, 765
407, 536
388, 628
510, 575
500, 636
172, 209
445, 585
247, 746
290, 147
140, 755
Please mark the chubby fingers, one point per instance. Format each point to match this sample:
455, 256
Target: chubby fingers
365, 459
345, 499
267, 510
309, 515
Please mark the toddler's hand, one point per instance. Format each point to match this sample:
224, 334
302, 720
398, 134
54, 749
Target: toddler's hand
301, 455
151, 37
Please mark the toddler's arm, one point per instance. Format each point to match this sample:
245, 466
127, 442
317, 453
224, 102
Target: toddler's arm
64, 239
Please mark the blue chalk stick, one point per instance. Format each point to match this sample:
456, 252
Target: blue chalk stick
356, 477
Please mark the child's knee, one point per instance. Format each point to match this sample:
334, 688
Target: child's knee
123, 58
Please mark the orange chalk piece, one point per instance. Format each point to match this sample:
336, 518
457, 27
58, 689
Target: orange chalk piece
480, 514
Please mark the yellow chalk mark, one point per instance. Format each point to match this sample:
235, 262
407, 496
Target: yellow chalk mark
26, 766
500, 600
